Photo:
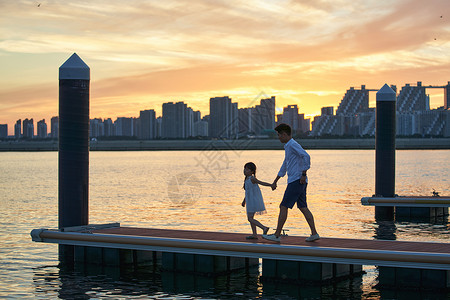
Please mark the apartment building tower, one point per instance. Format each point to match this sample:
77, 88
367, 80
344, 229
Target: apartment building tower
54, 127
42, 129
28, 128
147, 124
223, 118
18, 129
3, 131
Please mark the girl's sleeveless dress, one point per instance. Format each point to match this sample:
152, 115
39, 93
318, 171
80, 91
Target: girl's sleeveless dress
253, 198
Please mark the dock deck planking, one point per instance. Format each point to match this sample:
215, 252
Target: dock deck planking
344, 243
387, 253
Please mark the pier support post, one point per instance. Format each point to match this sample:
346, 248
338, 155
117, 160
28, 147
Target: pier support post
385, 150
307, 272
397, 277
421, 214
73, 155
211, 265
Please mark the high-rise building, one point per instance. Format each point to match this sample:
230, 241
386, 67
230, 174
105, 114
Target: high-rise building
124, 126
197, 116
189, 123
406, 124
245, 120
42, 129
96, 128
28, 128
432, 122
18, 129
447, 96
159, 127
327, 111
147, 124
263, 116
3, 131
223, 114
135, 123
108, 127
290, 116
354, 102
177, 120
201, 128
257, 119
365, 121
414, 116
413, 98
304, 124
54, 127
297, 121
173, 120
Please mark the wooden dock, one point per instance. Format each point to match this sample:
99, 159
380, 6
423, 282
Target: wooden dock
404, 254
407, 201
413, 208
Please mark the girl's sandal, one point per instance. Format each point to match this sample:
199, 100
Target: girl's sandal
266, 230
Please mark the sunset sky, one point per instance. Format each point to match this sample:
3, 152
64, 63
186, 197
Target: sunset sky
143, 53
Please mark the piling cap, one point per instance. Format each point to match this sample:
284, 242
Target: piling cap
386, 94
74, 68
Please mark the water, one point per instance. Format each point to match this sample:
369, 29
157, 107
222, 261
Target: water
200, 190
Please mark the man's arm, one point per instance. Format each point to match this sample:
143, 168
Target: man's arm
281, 173
306, 166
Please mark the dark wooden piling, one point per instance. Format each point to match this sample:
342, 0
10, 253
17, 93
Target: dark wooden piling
73, 155
385, 149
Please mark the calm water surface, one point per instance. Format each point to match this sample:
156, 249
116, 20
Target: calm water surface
200, 190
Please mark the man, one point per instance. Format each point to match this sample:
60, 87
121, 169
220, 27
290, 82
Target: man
296, 163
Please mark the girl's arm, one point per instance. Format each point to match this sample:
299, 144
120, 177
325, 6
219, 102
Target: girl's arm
256, 181
243, 203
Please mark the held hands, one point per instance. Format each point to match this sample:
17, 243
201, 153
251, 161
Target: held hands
273, 186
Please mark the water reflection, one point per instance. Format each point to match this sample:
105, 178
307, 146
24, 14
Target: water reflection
436, 226
93, 281
133, 188
385, 230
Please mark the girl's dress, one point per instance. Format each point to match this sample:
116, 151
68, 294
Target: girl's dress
253, 197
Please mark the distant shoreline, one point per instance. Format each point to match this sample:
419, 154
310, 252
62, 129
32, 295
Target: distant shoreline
210, 145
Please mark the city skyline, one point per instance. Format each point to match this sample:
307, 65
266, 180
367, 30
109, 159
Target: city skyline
226, 120
278, 110
304, 53
27, 129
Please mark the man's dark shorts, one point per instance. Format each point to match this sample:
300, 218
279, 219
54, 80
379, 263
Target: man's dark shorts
295, 193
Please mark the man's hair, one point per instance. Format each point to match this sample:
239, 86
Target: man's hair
284, 128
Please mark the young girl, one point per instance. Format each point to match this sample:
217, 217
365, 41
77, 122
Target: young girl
253, 198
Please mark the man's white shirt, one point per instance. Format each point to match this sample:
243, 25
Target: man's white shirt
296, 160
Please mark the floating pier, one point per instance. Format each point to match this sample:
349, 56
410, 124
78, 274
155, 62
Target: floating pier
402, 201
417, 264
410, 208
326, 260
